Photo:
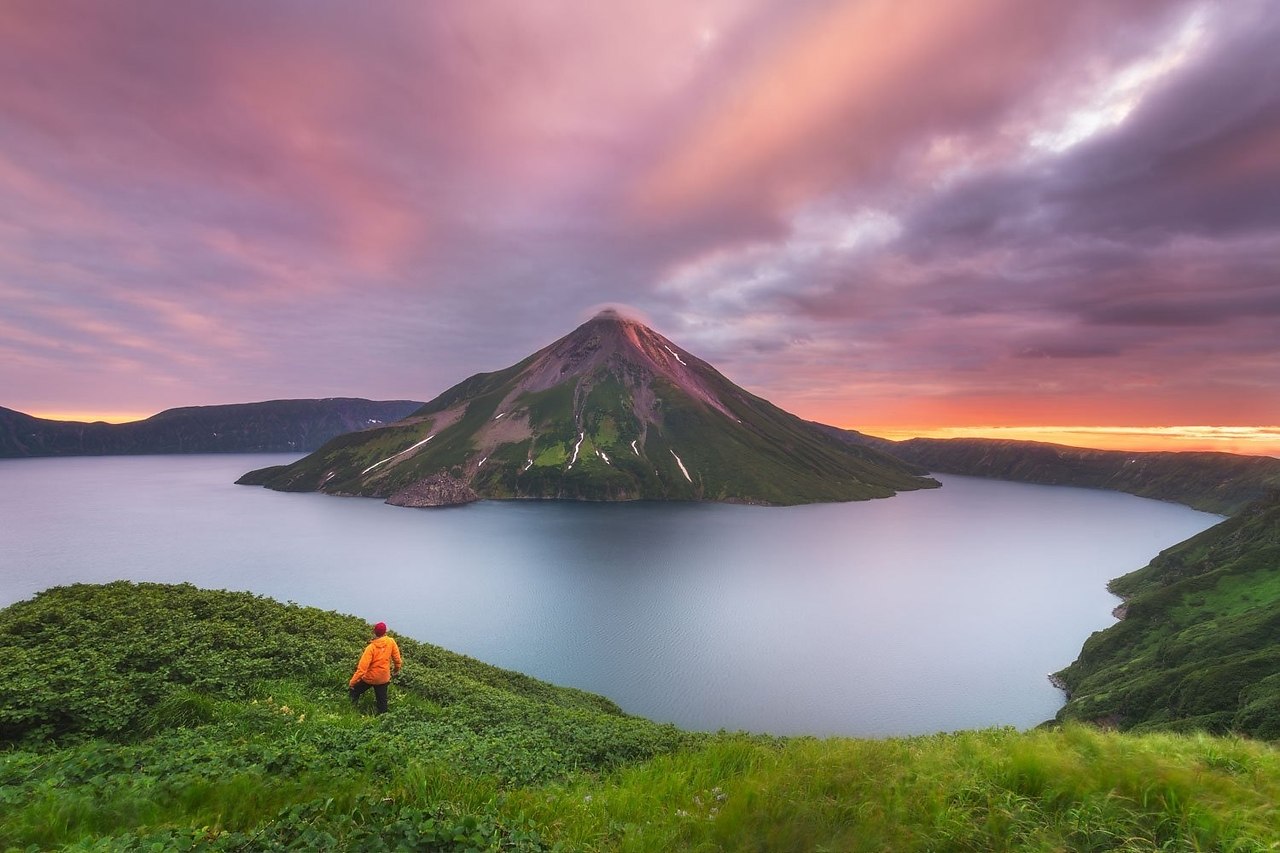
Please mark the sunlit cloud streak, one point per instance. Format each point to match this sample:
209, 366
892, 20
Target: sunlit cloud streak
1247, 440
992, 213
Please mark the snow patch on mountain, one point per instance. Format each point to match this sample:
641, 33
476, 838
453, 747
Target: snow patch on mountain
683, 470
394, 455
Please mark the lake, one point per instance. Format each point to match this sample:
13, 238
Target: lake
930, 611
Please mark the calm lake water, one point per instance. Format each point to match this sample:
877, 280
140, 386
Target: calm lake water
931, 611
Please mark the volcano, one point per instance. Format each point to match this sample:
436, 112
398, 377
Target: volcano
612, 411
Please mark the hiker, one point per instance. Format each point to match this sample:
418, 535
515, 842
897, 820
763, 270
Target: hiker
380, 661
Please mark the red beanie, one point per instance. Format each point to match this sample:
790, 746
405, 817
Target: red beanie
380, 628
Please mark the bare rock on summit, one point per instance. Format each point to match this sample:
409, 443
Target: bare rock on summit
437, 490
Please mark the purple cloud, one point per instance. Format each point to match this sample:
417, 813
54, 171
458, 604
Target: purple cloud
847, 205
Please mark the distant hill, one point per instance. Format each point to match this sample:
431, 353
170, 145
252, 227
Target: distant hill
611, 411
276, 426
1199, 644
1213, 482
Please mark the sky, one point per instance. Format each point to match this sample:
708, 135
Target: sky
1002, 217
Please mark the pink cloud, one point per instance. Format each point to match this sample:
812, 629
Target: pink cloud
841, 203
863, 92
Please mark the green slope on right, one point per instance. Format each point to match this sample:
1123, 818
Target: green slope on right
1199, 643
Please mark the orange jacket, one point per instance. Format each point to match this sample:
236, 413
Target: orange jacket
375, 663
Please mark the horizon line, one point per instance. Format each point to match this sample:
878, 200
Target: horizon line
1256, 440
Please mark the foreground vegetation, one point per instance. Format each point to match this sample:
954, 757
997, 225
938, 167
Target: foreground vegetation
152, 717
1199, 647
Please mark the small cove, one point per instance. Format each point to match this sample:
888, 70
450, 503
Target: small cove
934, 610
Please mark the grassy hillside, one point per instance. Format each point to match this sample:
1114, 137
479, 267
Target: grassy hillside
151, 717
1199, 646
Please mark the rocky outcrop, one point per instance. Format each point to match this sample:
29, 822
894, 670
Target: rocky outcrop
436, 490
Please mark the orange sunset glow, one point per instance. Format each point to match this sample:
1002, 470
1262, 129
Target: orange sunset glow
1044, 221
1251, 441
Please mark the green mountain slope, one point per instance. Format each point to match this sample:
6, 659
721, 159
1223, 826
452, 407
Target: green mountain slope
612, 411
276, 426
153, 717
1199, 644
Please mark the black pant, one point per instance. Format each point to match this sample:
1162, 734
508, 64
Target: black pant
379, 693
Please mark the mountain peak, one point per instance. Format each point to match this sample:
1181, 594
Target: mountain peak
611, 327
611, 314
611, 411
618, 320
611, 343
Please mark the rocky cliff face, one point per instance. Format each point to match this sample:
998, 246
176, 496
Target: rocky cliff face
611, 411
436, 490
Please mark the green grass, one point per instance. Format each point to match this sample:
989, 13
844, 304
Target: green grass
1232, 596
1200, 644
553, 455
1076, 789
229, 729
547, 408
